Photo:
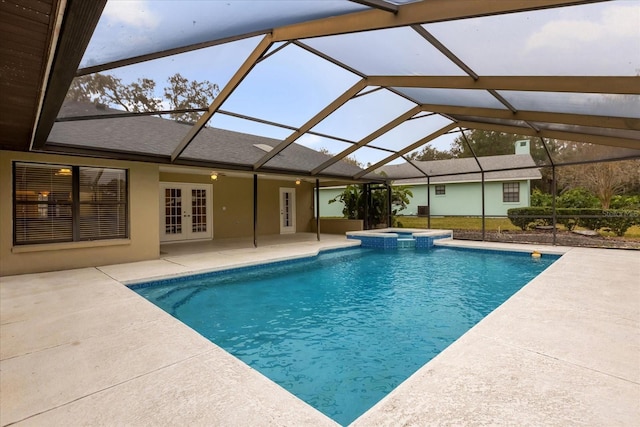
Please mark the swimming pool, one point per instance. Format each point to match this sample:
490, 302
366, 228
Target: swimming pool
343, 329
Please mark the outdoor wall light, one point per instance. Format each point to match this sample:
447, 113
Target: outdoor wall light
214, 176
297, 181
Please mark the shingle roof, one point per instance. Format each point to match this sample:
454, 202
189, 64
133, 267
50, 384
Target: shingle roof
159, 137
464, 169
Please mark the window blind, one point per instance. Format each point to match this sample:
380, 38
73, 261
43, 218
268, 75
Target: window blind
43, 203
62, 203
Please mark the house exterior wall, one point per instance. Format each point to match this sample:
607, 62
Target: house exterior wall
466, 199
460, 198
143, 242
233, 203
232, 215
333, 209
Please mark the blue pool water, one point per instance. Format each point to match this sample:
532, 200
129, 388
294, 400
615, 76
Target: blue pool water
343, 329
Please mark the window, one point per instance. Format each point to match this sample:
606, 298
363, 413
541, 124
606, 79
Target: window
440, 190
511, 192
61, 203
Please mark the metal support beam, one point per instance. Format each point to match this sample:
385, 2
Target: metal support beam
464, 136
428, 202
406, 150
553, 203
622, 85
535, 116
318, 209
444, 50
337, 103
255, 210
366, 192
621, 142
237, 78
389, 216
421, 12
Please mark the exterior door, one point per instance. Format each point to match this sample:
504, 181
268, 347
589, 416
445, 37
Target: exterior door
185, 212
287, 210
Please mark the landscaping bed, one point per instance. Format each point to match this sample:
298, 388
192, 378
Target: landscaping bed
563, 238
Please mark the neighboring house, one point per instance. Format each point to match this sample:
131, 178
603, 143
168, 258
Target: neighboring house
459, 192
60, 212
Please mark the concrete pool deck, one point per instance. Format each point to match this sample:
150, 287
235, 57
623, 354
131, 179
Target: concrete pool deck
79, 348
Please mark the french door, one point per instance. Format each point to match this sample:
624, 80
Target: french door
185, 211
287, 210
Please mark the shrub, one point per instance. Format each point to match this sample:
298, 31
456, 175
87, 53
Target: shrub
540, 199
619, 221
577, 198
616, 220
528, 217
569, 217
625, 202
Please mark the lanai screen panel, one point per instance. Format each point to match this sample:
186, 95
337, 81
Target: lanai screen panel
221, 120
289, 87
215, 65
364, 114
592, 104
456, 97
412, 131
597, 39
129, 29
393, 51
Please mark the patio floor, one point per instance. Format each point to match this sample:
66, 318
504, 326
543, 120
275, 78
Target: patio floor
79, 348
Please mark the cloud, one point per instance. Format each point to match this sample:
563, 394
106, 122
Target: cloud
617, 21
135, 13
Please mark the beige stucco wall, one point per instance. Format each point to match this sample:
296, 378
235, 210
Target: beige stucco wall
232, 215
233, 203
338, 225
144, 222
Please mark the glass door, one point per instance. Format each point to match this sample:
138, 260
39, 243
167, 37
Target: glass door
185, 212
287, 210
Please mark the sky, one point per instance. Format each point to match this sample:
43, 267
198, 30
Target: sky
293, 85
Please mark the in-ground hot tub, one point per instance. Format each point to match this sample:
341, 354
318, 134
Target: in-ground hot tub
393, 238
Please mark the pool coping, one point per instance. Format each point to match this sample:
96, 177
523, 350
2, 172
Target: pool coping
542, 306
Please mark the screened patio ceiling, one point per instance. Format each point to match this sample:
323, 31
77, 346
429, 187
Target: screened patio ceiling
367, 80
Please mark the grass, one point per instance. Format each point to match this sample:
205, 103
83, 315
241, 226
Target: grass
458, 223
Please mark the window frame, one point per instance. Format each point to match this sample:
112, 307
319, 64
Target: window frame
508, 196
440, 189
74, 204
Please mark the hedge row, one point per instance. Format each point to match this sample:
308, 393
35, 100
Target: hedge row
616, 220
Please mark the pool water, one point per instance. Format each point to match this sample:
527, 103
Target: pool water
343, 329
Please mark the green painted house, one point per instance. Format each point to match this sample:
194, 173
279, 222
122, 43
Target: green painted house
455, 185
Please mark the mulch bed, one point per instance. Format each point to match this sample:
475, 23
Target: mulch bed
563, 238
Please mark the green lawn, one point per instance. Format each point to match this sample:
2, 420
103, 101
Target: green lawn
458, 223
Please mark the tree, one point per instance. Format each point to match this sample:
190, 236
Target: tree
430, 153
485, 143
603, 179
354, 201
109, 90
139, 96
184, 94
